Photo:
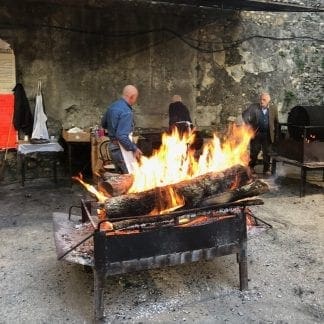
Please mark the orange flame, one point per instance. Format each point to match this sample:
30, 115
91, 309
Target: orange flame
310, 138
99, 195
167, 201
175, 161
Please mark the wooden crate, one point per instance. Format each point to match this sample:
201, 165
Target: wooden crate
76, 137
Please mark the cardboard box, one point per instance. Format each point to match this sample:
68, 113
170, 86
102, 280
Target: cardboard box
76, 137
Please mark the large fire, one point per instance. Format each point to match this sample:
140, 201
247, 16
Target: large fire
175, 161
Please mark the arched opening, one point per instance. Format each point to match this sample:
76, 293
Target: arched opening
8, 135
7, 68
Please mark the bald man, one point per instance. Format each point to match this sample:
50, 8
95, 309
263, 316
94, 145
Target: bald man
263, 118
119, 122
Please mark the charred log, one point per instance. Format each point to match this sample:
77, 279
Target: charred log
193, 191
252, 189
115, 184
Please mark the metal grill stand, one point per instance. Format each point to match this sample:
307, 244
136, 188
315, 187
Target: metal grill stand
168, 245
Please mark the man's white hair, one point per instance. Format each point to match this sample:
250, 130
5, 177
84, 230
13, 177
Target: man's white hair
264, 93
176, 98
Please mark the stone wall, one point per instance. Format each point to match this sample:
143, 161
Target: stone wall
83, 59
85, 64
291, 70
85, 55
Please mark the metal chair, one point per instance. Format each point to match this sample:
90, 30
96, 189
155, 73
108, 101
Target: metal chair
105, 157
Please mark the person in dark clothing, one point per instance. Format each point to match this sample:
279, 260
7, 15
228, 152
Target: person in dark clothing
119, 122
263, 118
179, 115
22, 118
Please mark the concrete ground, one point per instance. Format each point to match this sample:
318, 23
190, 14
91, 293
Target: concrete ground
285, 266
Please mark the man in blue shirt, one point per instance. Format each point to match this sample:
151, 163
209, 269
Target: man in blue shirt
119, 122
263, 118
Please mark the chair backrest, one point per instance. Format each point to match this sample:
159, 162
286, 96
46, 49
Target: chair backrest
105, 157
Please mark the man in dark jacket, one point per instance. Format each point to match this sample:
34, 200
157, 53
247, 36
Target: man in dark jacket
179, 115
263, 118
22, 118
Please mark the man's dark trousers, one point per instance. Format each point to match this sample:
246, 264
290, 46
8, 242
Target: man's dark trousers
261, 142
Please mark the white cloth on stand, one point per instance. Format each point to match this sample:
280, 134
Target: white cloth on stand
40, 128
34, 148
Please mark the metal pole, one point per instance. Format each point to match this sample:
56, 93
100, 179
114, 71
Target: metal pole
242, 256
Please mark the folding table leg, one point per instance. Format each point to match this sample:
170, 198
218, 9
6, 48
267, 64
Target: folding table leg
23, 169
55, 169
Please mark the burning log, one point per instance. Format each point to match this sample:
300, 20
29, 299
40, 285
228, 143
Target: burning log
193, 191
252, 189
115, 184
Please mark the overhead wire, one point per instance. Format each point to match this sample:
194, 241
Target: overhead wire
197, 44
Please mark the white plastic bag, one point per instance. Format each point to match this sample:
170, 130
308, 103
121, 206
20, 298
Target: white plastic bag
40, 128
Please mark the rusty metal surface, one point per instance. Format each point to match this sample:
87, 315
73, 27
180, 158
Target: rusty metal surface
301, 151
167, 240
304, 121
68, 233
170, 259
301, 143
143, 250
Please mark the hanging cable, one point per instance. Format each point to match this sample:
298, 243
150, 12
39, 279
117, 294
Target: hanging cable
187, 40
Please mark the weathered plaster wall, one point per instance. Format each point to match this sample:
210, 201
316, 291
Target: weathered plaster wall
85, 65
85, 55
291, 70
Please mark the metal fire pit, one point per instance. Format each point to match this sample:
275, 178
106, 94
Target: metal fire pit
301, 150
209, 232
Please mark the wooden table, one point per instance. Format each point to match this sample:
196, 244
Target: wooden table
74, 139
25, 149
